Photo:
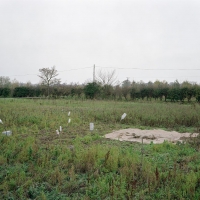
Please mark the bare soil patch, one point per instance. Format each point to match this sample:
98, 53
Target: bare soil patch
156, 136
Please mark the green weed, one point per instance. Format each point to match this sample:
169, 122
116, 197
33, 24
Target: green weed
36, 163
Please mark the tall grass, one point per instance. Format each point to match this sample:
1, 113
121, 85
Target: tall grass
43, 115
36, 163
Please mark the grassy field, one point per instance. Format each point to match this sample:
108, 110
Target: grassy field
36, 163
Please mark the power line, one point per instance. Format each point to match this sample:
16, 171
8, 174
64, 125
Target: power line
58, 71
119, 68
135, 68
74, 69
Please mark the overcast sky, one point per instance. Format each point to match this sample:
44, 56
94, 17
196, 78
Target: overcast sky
141, 39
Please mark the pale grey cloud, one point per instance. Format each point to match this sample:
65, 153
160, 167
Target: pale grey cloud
111, 34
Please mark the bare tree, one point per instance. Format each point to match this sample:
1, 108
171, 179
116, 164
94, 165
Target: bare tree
5, 81
106, 78
15, 83
47, 76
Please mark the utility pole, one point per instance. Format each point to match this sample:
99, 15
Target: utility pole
94, 74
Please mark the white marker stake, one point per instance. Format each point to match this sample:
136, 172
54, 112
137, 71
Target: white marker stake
69, 113
91, 126
57, 132
69, 120
8, 133
60, 128
123, 116
1, 121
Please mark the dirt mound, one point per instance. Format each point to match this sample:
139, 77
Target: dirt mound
156, 136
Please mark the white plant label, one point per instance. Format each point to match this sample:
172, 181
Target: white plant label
123, 116
91, 126
8, 133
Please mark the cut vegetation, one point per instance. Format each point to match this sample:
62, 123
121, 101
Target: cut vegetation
155, 136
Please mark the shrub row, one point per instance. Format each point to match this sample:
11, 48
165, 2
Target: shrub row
134, 91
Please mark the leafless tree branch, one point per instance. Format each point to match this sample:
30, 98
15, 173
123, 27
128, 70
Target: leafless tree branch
47, 76
106, 78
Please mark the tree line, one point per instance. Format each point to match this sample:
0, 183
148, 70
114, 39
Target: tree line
127, 90
105, 86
